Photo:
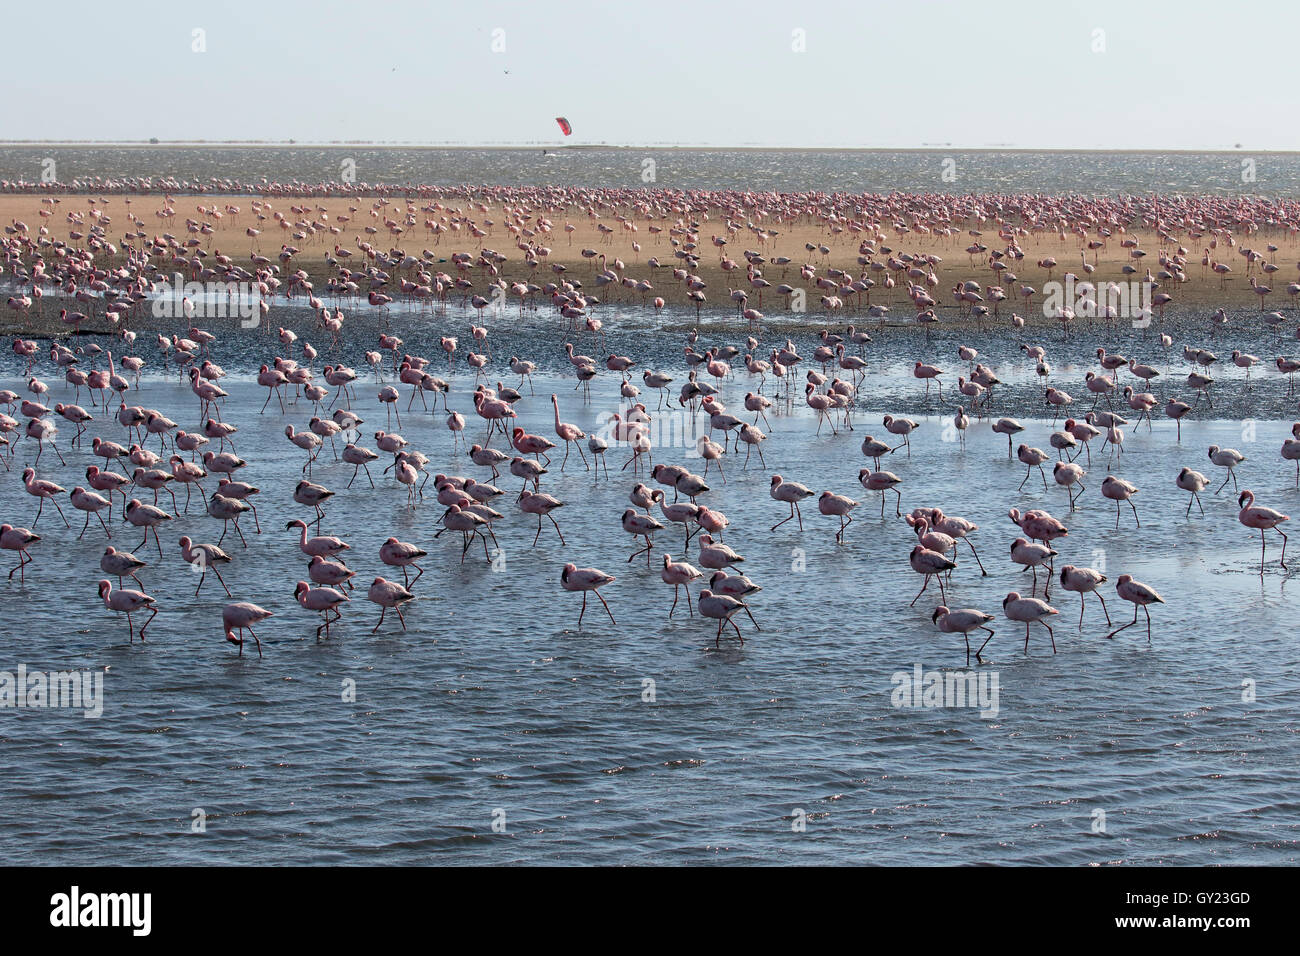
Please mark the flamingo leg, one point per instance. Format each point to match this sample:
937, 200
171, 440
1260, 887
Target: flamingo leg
925, 584
1126, 626
607, 610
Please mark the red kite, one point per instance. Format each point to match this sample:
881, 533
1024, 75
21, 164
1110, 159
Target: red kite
564, 125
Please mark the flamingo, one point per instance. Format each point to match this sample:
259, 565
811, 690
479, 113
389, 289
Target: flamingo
1141, 595
791, 493
241, 616
128, 603
1029, 610
359, 457
1291, 450
642, 526
18, 539
882, 481
1117, 490
1082, 581
962, 621
1009, 427
1264, 519
679, 574
721, 607
325, 546
201, 557
324, 600
541, 505
569, 434
388, 594
147, 517
837, 506
1032, 458
1228, 458
1032, 556
91, 504
43, 490
120, 564
931, 564
573, 578
401, 554
904, 427
227, 510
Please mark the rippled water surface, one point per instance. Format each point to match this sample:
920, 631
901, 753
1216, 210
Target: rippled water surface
493, 699
885, 171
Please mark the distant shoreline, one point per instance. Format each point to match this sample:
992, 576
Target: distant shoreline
578, 147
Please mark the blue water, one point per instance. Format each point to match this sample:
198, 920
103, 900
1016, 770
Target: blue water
493, 704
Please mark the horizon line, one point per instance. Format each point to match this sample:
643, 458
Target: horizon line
557, 147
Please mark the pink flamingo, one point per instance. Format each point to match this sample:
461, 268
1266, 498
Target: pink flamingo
569, 434
128, 602
91, 504
542, 505
388, 594
962, 621
400, 554
837, 506
679, 574
1257, 516
147, 517
241, 616
721, 607
1141, 595
640, 526
323, 600
1029, 610
41, 489
882, 481
573, 578
120, 564
1082, 581
1033, 557
534, 445
325, 546
456, 425
791, 493
202, 557
18, 539
228, 510
931, 564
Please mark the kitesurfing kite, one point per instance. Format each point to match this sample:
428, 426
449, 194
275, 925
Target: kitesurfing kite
564, 125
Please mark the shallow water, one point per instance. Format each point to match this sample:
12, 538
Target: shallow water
493, 700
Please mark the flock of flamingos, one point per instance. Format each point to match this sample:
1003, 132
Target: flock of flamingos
114, 438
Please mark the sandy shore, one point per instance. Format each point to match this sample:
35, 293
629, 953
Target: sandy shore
347, 221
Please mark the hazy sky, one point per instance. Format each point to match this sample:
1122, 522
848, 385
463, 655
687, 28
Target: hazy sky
905, 73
